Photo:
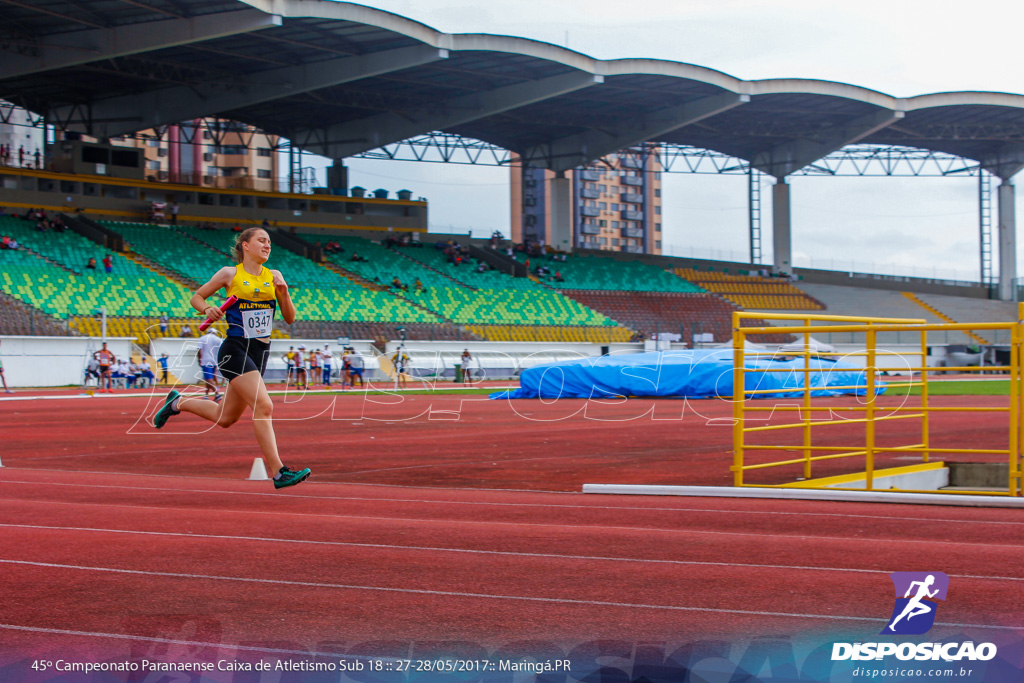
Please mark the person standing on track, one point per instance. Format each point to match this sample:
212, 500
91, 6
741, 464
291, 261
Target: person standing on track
401, 362
356, 365
466, 359
314, 367
163, 361
209, 346
4, 379
289, 363
327, 359
106, 359
243, 355
300, 367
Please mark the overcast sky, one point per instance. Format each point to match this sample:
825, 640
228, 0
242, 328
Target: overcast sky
902, 48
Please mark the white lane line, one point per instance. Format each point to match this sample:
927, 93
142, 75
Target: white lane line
474, 551
173, 641
372, 499
483, 596
584, 527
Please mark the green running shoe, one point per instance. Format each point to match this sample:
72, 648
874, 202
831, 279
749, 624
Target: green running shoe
165, 413
290, 478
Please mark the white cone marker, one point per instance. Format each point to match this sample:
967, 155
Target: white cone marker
258, 471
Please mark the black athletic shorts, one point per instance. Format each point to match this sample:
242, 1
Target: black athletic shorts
239, 355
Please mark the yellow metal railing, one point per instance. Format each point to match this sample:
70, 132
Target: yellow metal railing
869, 412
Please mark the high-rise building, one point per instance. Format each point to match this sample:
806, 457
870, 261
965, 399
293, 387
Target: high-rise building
615, 204
210, 153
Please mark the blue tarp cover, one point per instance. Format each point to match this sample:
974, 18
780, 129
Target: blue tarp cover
696, 373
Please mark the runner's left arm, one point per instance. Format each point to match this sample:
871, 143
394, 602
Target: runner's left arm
284, 298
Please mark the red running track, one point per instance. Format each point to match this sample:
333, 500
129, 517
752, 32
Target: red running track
89, 560
120, 540
456, 441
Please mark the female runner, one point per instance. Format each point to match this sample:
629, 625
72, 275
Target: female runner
243, 355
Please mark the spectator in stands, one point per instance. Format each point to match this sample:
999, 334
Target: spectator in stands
6, 243
357, 258
163, 318
174, 213
265, 224
236, 228
91, 263
21, 157
163, 361
558, 276
418, 285
481, 267
39, 163
397, 284
108, 263
187, 331
4, 379
13, 244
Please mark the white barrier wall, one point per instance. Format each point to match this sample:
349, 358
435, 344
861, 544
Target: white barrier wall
61, 361
496, 360
53, 361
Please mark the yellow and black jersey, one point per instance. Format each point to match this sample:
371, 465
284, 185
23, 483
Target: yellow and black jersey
253, 314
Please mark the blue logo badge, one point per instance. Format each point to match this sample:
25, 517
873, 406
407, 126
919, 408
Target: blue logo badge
916, 593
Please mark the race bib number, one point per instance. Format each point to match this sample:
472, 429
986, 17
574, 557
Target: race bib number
258, 323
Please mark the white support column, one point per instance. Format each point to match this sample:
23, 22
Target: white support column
1007, 241
561, 212
782, 240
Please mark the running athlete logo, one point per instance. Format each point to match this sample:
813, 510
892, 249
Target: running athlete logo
915, 614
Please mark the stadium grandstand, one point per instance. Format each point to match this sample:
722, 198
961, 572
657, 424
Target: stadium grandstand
362, 265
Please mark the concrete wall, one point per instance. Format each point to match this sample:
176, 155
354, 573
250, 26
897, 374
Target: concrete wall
53, 361
496, 360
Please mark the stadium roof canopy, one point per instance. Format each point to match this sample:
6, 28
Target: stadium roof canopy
340, 79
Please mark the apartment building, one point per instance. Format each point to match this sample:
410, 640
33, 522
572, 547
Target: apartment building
211, 153
616, 203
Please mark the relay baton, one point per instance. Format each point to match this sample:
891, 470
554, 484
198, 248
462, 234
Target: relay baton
224, 306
